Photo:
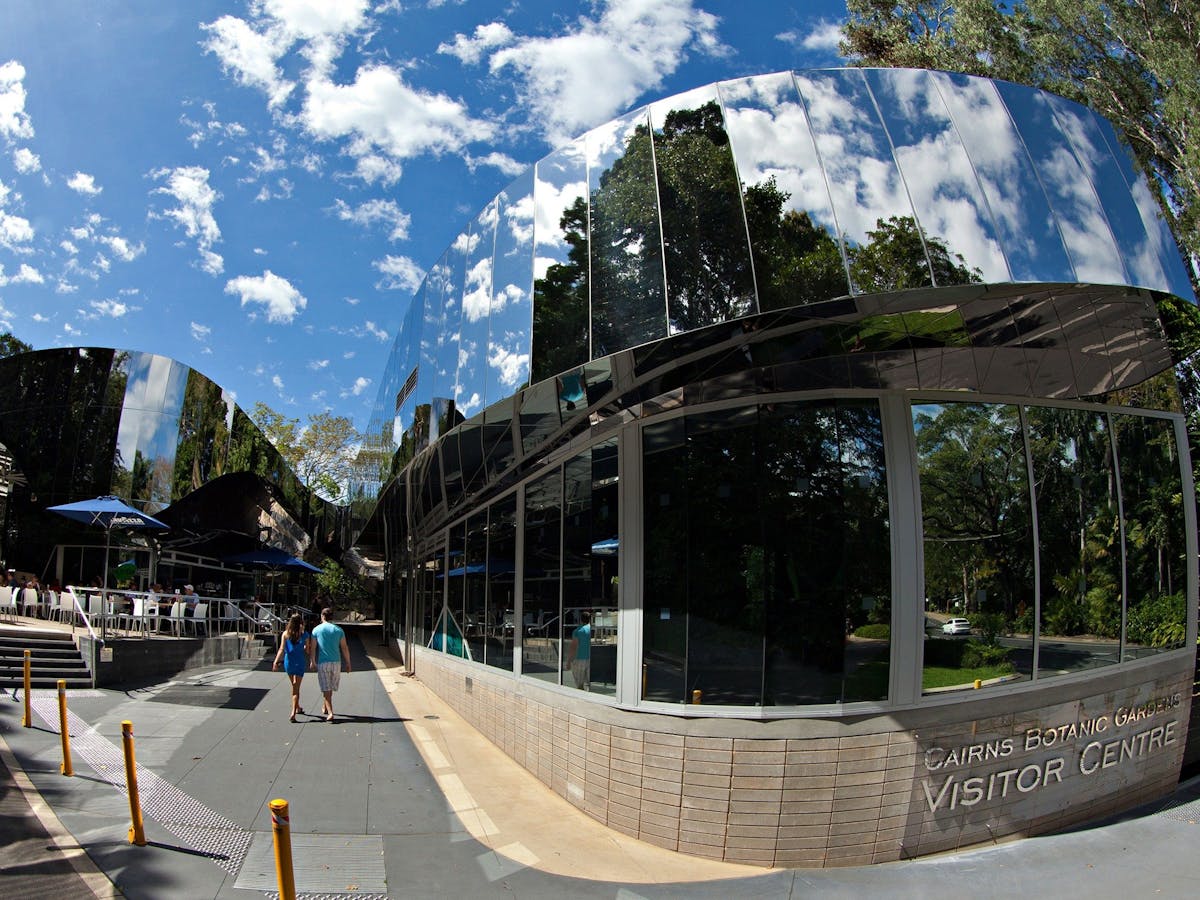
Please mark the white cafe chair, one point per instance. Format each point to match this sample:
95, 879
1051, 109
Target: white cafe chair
30, 600
176, 619
199, 619
8, 605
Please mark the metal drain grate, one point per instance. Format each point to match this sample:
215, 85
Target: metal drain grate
199, 827
324, 865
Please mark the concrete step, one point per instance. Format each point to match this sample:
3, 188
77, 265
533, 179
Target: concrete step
17, 684
45, 652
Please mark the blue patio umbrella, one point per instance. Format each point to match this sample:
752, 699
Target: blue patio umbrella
108, 512
271, 559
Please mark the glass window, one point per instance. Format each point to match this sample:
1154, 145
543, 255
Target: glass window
588, 624
540, 642
450, 630
476, 314
1079, 616
793, 233
473, 576
825, 561
1094, 253
707, 257
665, 561
433, 382
978, 541
960, 238
501, 572
628, 302
883, 243
1024, 224
561, 311
1155, 555
512, 313
767, 556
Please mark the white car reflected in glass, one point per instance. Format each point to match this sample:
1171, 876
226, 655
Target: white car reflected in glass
956, 626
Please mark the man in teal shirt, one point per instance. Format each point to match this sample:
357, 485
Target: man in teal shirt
579, 657
329, 654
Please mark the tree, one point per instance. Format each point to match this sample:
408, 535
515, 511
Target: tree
320, 453
1132, 61
11, 345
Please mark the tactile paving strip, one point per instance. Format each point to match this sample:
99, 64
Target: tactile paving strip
199, 827
323, 865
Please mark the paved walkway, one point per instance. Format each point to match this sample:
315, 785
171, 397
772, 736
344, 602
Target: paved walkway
401, 798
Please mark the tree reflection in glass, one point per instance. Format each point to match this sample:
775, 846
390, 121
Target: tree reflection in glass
978, 540
797, 258
1079, 625
1152, 503
627, 289
561, 311
707, 257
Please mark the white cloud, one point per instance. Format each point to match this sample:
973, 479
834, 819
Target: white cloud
399, 273
14, 121
282, 301
189, 187
379, 113
372, 167
318, 364
14, 230
26, 161
822, 37
200, 332
377, 212
470, 50
26, 274
278, 382
502, 161
375, 330
83, 183
122, 249
589, 74
356, 389
111, 308
251, 56
39, 318
511, 366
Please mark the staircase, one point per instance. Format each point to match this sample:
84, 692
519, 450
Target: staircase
53, 655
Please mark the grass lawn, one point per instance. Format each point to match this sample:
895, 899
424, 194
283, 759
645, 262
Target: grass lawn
942, 676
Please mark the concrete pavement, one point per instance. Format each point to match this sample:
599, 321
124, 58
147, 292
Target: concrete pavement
401, 798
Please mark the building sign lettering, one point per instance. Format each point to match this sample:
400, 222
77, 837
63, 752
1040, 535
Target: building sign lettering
1097, 748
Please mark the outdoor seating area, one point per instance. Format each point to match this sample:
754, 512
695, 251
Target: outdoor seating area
146, 614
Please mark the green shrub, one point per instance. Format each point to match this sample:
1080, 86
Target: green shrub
976, 655
1158, 622
875, 632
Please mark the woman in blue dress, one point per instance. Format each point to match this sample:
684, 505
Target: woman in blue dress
293, 652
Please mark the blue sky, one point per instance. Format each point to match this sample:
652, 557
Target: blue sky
256, 188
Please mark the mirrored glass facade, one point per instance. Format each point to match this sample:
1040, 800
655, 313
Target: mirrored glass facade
697, 430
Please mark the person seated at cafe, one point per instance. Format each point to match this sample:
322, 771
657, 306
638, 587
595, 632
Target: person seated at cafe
189, 597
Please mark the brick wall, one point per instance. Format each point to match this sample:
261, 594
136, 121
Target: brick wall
841, 792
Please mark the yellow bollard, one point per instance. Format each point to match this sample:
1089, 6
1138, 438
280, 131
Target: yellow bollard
137, 834
65, 768
645, 675
28, 720
978, 683
696, 697
282, 828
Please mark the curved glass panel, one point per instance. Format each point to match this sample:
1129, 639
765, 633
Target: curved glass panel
588, 624
628, 302
512, 312
1079, 616
561, 310
1138, 252
953, 214
203, 441
1157, 229
476, 314
501, 583
406, 393
432, 381
445, 380
883, 243
1024, 223
707, 257
978, 538
793, 233
472, 573
1089, 241
1155, 554
540, 640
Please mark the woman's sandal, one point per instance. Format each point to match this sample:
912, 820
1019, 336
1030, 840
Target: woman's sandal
292, 719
